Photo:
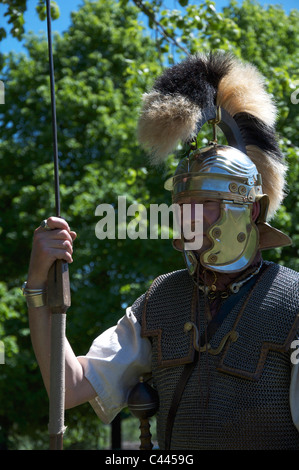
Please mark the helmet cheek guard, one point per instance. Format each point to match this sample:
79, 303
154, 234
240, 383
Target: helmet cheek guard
234, 238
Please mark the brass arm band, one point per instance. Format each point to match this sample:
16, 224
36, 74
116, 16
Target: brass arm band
34, 297
36, 300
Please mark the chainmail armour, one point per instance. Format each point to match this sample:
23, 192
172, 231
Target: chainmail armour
238, 399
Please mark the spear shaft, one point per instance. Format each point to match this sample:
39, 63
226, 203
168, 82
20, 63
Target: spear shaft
58, 295
53, 108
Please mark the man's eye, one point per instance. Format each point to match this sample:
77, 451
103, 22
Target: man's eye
211, 203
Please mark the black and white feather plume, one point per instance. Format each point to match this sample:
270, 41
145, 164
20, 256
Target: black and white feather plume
172, 109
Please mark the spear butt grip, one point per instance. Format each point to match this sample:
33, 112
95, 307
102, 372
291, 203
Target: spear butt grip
59, 295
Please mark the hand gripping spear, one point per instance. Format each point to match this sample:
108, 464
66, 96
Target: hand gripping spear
59, 298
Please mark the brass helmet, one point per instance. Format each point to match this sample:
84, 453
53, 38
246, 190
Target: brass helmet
223, 91
227, 175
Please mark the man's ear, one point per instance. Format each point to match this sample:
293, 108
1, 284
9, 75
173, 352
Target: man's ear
256, 209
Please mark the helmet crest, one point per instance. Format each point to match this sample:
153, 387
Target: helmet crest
220, 88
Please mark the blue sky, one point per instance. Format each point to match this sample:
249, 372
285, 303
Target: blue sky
33, 23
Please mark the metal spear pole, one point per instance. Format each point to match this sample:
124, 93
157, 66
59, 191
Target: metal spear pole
59, 298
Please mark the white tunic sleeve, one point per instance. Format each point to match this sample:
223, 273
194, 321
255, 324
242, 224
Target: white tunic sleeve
294, 395
114, 363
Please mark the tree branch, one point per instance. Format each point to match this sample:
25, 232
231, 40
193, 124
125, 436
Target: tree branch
163, 32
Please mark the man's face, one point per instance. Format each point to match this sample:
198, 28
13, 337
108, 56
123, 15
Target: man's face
208, 216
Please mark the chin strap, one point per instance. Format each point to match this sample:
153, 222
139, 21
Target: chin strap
191, 261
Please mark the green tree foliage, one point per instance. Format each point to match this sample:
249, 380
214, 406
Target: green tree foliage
15, 15
103, 64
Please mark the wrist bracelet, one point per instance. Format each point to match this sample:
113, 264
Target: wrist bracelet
34, 297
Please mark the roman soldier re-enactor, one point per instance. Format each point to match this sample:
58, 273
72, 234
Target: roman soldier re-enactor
215, 337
